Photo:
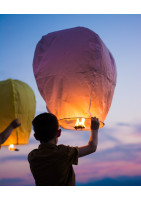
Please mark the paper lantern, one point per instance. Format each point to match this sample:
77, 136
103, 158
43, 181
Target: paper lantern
17, 100
76, 76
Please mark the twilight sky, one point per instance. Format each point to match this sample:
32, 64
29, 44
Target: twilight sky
117, 160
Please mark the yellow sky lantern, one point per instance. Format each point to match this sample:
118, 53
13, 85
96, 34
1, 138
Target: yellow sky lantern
17, 100
76, 76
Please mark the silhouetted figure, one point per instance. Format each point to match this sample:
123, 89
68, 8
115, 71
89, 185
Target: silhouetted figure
51, 164
6, 133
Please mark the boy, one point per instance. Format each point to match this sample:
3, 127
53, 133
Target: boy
51, 164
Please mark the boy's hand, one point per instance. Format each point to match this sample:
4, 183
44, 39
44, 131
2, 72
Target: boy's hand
15, 123
94, 123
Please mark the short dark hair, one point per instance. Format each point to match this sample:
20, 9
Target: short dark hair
45, 126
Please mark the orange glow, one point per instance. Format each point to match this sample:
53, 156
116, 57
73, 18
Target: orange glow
80, 124
11, 147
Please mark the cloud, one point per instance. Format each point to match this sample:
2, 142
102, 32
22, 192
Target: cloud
100, 169
137, 128
118, 181
126, 152
107, 181
10, 181
14, 158
16, 182
123, 124
126, 134
122, 159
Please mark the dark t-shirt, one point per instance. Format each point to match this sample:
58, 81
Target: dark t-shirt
52, 165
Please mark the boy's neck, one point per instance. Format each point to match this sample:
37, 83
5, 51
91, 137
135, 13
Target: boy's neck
53, 141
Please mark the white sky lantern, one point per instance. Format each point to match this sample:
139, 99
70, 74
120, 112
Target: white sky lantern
76, 76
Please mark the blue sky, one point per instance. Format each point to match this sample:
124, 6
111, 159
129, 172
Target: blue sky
119, 140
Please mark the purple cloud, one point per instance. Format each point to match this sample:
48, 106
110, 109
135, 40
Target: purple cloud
118, 181
123, 124
14, 158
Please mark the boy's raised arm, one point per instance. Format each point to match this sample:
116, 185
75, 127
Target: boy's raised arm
93, 140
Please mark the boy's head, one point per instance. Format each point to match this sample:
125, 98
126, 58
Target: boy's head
46, 127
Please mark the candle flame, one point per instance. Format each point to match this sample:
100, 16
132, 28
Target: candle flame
11, 147
80, 124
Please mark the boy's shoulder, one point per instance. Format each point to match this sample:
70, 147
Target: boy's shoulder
66, 147
68, 150
31, 154
70, 153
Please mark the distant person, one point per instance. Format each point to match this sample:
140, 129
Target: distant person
51, 165
6, 133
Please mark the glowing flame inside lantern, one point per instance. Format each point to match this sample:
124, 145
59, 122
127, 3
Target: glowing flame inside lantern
80, 124
11, 147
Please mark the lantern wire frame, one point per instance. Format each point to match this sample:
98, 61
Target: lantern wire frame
69, 123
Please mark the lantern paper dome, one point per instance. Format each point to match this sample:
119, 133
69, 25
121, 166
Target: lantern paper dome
17, 100
76, 75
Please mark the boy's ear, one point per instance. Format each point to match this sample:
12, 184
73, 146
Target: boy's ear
59, 133
36, 136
